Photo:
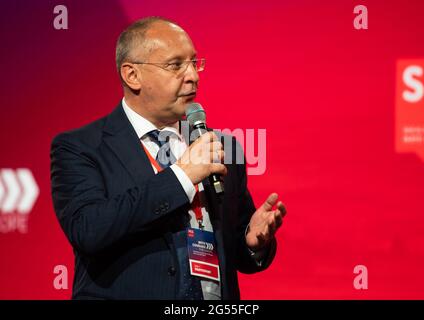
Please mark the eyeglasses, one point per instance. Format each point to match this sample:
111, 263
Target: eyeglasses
179, 67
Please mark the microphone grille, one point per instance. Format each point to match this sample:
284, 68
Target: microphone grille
195, 113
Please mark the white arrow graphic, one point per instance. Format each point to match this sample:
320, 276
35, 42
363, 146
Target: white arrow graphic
13, 191
20, 193
30, 190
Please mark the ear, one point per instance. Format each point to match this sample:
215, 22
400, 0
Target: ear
131, 76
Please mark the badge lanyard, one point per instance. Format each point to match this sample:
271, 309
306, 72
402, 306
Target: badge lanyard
195, 205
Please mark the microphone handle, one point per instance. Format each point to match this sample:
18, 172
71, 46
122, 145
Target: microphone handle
214, 179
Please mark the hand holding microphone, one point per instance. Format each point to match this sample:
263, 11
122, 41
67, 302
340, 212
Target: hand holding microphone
204, 156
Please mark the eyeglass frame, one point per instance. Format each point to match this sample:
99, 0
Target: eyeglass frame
158, 64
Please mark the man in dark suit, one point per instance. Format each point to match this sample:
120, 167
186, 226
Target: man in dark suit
127, 212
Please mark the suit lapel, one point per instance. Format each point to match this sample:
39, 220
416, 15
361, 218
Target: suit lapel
121, 137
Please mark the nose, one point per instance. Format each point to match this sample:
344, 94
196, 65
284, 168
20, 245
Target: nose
191, 74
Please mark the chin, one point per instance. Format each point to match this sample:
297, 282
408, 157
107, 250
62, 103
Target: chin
178, 114
182, 109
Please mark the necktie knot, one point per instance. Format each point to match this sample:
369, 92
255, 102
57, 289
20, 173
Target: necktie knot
164, 156
159, 137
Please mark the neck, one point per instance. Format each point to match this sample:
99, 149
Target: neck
144, 111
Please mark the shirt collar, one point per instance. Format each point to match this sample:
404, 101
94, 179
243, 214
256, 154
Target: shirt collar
142, 126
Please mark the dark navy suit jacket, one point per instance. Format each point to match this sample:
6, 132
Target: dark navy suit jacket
119, 215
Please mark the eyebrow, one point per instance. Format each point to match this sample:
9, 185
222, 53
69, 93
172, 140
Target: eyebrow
179, 57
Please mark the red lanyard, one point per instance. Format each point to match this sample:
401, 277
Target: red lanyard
195, 205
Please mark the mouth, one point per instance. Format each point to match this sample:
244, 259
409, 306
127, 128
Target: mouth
189, 95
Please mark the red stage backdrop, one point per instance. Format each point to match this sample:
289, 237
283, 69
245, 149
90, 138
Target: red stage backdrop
342, 110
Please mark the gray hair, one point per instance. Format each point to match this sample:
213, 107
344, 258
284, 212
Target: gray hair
134, 36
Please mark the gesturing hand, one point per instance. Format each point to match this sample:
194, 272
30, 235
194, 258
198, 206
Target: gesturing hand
264, 223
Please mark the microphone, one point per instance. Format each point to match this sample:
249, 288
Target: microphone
196, 117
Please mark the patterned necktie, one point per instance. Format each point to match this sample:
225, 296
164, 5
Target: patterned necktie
164, 157
189, 286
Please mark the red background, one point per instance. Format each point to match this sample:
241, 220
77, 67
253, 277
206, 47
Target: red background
324, 92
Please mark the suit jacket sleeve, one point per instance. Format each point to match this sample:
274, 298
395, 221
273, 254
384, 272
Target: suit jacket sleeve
91, 220
246, 262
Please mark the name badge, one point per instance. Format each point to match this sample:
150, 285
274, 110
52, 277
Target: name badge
202, 254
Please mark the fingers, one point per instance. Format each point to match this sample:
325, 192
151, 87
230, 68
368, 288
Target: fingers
270, 202
218, 168
221, 156
215, 146
218, 156
268, 221
204, 140
281, 208
217, 153
206, 150
203, 157
209, 137
274, 222
278, 219
268, 231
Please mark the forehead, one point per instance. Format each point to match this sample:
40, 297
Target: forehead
166, 41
